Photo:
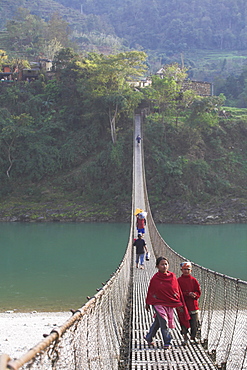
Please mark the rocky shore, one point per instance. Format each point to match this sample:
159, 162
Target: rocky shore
231, 210
22, 331
31, 211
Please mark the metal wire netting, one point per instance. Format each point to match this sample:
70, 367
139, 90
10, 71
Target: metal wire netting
222, 306
92, 338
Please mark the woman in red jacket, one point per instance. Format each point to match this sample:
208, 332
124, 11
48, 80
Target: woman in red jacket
191, 292
164, 294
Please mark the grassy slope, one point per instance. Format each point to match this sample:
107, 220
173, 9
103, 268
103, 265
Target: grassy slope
203, 65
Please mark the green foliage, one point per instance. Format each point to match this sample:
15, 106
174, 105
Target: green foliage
173, 25
3, 57
234, 88
107, 85
24, 33
204, 112
48, 128
203, 155
208, 37
165, 94
61, 131
29, 36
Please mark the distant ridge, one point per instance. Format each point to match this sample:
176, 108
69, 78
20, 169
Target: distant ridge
45, 8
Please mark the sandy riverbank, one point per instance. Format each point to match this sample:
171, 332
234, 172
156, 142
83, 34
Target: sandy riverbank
21, 331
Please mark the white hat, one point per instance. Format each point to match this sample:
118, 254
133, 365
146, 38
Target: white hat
186, 264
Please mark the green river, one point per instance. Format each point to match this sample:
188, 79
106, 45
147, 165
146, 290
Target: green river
55, 266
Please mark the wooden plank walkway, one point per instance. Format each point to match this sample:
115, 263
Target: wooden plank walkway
179, 357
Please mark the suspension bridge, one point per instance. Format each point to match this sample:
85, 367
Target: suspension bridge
107, 332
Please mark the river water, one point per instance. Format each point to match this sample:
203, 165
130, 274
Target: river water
54, 266
222, 248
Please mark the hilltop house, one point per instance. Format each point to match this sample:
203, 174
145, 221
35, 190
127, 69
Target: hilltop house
6, 73
25, 74
202, 88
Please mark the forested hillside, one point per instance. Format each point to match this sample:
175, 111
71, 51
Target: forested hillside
86, 32
210, 37
69, 140
174, 25
66, 141
66, 144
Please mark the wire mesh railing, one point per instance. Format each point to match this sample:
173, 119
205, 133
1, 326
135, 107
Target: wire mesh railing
92, 337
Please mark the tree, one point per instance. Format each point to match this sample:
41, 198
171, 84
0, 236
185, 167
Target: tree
25, 33
204, 111
11, 128
166, 88
3, 57
17, 64
58, 29
108, 83
51, 48
63, 58
166, 95
31, 36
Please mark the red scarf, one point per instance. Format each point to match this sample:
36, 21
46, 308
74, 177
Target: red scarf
164, 290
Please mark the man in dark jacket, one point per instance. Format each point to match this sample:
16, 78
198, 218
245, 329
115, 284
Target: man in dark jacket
141, 248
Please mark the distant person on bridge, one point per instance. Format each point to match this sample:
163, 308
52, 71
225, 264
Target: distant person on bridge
164, 294
138, 139
141, 222
191, 291
141, 247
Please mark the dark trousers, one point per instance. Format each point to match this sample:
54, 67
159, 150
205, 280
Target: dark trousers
194, 324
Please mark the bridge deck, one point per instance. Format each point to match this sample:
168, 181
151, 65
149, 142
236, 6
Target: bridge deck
192, 356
